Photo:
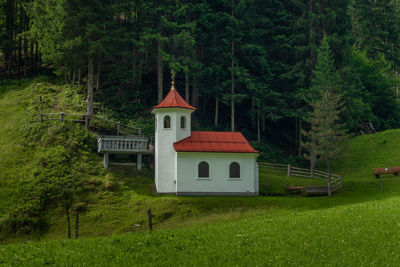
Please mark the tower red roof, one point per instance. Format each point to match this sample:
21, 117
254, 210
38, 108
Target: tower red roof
227, 142
174, 100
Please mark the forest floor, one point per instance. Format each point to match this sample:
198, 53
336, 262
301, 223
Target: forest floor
359, 225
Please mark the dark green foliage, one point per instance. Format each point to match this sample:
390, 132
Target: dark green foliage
377, 29
257, 55
369, 93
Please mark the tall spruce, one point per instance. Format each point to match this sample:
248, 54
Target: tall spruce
326, 132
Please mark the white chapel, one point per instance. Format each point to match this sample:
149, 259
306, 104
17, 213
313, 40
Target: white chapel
199, 162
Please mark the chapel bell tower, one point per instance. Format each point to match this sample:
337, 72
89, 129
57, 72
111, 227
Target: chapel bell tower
172, 124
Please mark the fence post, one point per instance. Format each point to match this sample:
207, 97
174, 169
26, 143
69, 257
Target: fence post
61, 116
139, 131
86, 121
288, 170
41, 117
329, 183
118, 127
150, 216
77, 223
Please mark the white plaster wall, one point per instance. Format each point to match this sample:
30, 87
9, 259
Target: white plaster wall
219, 181
165, 155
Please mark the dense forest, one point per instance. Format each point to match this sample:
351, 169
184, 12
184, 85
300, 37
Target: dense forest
247, 65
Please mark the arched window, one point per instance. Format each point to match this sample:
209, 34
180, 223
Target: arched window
167, 122
183, 122
234, 170
204, 170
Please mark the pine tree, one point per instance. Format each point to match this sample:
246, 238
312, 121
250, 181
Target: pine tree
327, 132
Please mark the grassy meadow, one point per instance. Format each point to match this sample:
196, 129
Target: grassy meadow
357, 226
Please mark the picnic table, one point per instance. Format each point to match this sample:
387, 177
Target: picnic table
388, 170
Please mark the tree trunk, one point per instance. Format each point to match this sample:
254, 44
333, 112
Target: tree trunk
134, 62
37, 57
79, 76
300, 145
77, 223
216, 111
19, 63
68, 221
233, 81
253, 113
26, 43
10, 64
89, 99
9, 27
160, 73
31, 58
258, 127
187, 93
195, 98
313, 156
98, 72
65, 74
25, 57
73, 75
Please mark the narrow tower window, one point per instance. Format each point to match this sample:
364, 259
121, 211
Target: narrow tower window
167, 122
183, 122
204, 170
234, 170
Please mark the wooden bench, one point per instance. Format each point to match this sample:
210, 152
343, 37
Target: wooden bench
317, 190
294, 189
389, 170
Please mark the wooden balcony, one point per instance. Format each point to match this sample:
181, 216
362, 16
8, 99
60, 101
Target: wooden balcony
116, 144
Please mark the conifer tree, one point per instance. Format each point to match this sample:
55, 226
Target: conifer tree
326, 132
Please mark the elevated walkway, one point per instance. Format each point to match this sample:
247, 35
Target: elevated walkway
130, 144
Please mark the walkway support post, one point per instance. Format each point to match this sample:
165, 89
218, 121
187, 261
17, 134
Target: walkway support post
139, 161
105, 162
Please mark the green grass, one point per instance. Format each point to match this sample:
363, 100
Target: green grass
351, 235
358, 225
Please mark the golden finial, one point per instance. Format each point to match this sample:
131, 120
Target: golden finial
173, 81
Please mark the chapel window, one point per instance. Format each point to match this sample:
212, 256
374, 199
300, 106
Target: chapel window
203, 170
183, 122
234, 170
167, 122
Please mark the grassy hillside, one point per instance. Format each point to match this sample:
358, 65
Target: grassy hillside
366, 152
281, 229
114, 200
352, 235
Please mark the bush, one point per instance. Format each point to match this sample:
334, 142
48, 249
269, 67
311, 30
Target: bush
268, 152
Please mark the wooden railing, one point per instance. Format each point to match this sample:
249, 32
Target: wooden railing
333, 181
123, 144
65, 116
127, 130
120, 128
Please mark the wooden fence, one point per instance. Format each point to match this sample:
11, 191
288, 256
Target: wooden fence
127, 130
334, 181
65, 116
120, 128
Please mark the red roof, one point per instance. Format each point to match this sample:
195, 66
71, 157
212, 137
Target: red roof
233, 142
174, 100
